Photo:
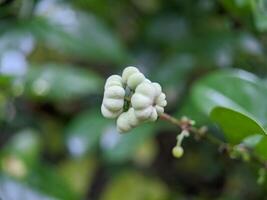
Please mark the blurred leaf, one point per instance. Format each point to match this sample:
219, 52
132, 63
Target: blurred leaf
59, 82
78, 174
11, 190
236, 125
191, 110
5, 80
260, 14
235, 89
88, 38
174, 70
47, 180
132, 186
125, 146
261, 148
237, 7
146, 153
25, 144
3, 104
84, 131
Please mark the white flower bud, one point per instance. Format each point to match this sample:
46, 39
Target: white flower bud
113, 100
114, 80
127, 121
123, 123
148, 101
132, 77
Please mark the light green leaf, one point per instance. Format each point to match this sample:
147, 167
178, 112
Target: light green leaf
236, 125
235, 89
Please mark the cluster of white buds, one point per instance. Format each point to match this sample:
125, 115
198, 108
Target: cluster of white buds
132, 98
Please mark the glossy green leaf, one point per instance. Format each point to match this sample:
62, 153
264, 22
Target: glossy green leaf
59, 82
253, 140
235, 89
236, 125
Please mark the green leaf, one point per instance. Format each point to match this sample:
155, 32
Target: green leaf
252, 141
125, 146
235, 89
59, 82
84, 131
236, 125
5, 81
261, 148
237, 7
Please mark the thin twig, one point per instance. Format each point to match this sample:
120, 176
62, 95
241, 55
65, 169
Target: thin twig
185, 125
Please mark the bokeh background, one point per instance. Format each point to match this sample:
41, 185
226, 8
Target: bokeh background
54, 58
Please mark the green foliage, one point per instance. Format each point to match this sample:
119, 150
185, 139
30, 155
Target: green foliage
243, 92
236, 125
131, 185
84, 132
209, 57
127, 145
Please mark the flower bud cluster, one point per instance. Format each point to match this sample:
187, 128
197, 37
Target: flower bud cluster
145, 99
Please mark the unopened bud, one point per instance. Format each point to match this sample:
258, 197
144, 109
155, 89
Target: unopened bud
177, 151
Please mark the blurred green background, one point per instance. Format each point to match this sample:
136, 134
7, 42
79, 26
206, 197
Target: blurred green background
54, 59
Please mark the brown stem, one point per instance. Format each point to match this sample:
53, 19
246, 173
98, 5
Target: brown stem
185, 125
